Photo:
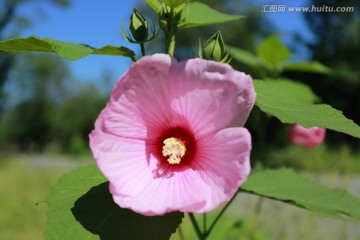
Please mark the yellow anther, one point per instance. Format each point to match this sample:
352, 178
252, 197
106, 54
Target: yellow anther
175, 149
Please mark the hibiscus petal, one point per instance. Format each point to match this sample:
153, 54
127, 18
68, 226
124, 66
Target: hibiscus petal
122, 119
223, 161
139, 103
216, 174
182, 191
125, 162
211, 95
135, 177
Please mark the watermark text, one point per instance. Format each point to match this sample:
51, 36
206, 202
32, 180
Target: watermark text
274, 8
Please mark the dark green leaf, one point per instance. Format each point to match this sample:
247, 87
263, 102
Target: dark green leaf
286, 185
113, 51
311, 66
78, 210
272, 51
198, 14
316, 67
67, 50
274, 100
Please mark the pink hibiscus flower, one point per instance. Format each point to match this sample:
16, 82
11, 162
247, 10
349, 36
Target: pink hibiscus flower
306, 137
171, 137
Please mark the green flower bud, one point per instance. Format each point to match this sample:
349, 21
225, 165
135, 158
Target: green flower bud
169, 15
138, 27
165, 15
214, 49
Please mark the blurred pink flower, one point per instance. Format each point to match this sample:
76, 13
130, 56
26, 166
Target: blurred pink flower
306, 137
171, 137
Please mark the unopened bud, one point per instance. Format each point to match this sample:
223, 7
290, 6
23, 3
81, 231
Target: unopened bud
139, 29
214, 49
138, 26
168, 14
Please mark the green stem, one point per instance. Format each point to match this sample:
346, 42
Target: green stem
262, 147
257, 210
259, 205
181, 234
170, 43
142, 49
196, 227
219, 215
204, 223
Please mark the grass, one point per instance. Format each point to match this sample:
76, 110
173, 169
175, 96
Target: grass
26, 181
21, 217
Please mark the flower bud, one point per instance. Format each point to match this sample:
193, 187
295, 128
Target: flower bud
168, 14
139, 29
214, 49
306, 137
164, 16
138, 26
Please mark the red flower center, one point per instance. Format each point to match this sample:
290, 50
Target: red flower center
176, 146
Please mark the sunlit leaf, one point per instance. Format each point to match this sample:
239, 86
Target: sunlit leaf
154, 4
175, 3
288, 186
244, 56
67, 50
80, 207
272, 99
298, 90
198, 14
272, 51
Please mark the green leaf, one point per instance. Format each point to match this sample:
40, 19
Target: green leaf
286, 185
113, 51
311, 66
67, 50
272, 51
154, 4
198, 14
298, 90
175, 3
243, 56
317, 67
81, 207
274, 100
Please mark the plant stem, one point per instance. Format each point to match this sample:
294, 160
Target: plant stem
181, 234
257, 211
196, 227
142, 49
170, 36
263, 149
204, 223
170, 42
220, 214
259, 205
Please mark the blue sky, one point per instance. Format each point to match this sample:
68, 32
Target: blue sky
98, 23
94, 22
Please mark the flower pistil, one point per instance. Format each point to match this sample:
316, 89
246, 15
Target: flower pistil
175, 149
